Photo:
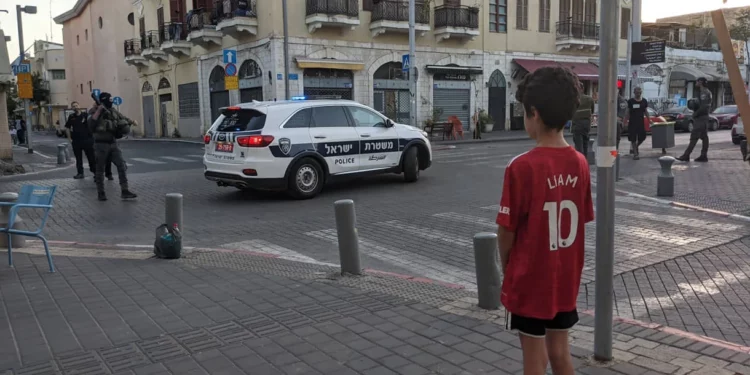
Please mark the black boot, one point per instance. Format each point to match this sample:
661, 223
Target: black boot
78, 176
127, 194
636, 154
102, 196
684, 158
109, 177
702, 158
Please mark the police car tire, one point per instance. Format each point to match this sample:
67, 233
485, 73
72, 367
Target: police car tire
411, 165
301, 164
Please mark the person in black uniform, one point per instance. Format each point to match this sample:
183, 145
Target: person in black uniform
636, 122
700, 122
83, 141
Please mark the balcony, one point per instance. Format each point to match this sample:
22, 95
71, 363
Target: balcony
236, 17
332, 13
174, 39
577, 35
393, 16
202, 29
456, 22
133, 53
151, 46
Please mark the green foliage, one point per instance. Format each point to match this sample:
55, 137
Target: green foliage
740, 29
41, 89
11, 101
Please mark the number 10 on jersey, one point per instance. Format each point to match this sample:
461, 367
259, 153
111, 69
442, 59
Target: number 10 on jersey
554, 215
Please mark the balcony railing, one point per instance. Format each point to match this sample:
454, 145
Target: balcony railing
577, 30
172, 32
151, 39
348, 8
396, 10
132, 47
228, 9
456, 16
201, 19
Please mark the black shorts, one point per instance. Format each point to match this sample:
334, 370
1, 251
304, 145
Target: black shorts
538, 327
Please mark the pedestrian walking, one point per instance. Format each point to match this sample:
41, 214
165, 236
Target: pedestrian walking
622, 112
545, 205
21, 130
82, 141
13, 133
107, 126
636, 122
700, 122
581, 126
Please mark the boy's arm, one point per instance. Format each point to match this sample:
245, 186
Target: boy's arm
513, 207
505, 239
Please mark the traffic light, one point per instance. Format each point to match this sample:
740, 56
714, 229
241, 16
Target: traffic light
620, 83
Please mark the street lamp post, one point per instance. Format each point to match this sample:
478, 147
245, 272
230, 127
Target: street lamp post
29, 9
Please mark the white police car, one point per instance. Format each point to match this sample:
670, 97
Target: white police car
299, 145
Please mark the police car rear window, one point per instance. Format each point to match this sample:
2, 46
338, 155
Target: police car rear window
241, 120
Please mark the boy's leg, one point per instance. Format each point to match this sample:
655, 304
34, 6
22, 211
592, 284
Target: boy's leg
558, 347
531, 333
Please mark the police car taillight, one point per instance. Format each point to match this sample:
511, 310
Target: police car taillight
206, 139
255, 140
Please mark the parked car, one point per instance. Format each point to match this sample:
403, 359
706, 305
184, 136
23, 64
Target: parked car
653, 117
683, 119
738, 131
726, 115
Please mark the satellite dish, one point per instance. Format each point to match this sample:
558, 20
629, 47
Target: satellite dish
131, 19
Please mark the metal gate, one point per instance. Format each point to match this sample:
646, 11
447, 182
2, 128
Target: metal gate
164, 102
219, 99
328, 84
394, 104
248, 95
149, 120
497, 100
454, 102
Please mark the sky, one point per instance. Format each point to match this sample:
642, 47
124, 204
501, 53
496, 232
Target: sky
41, 26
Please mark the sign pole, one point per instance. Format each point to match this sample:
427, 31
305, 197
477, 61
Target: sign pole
412, 63
29, 126
606, 154
733, 67
628, 70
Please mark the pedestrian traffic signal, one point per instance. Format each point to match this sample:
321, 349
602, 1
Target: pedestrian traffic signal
620, 83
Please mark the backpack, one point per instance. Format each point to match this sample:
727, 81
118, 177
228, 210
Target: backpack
168, 243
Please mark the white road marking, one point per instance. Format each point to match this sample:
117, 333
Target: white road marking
260, 246
494, 157
480, 221
426, 233
148, 161
678, 220
195, 156
180, 160
414, 262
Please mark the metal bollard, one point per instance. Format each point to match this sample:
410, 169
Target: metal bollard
591, 157
743, 149
346, 228
16, 241
488, 270
173, 211
61, 154
665, 181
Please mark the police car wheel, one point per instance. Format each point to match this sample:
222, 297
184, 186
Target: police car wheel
411, 165
305, 179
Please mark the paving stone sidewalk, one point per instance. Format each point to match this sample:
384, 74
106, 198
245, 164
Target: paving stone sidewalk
121, 312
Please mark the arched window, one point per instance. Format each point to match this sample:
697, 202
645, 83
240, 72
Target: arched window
391, 70
216, 79
250, 69
147, 87
164, 84
497, 79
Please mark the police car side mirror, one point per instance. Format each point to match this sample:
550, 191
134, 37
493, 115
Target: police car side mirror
388, 123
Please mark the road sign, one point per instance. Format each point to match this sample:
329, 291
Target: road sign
652, 52
230, 56
21, 68
230, 69
231, 83
117, 100
280, 77
96, 92
293, 77
25, 87
405, 65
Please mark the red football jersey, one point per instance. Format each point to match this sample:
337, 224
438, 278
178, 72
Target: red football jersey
546, 202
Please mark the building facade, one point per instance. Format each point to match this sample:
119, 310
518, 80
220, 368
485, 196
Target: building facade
49, 62
93, 34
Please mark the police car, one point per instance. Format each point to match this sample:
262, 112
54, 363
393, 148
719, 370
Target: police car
299, 145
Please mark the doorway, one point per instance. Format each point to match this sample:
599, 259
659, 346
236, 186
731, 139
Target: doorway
165, 104
497, 100
149, 122
219, 94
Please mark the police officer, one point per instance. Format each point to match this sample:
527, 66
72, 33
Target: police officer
636, 121
700, 122
582, 122
108, 125
622, 111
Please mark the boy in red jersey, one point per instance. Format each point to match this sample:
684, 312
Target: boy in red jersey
545, 205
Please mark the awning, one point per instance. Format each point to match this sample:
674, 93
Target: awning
454, 69
585, 71
532, 65
687, 72
305, 63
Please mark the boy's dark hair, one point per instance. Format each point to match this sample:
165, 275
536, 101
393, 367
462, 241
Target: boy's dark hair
553, 93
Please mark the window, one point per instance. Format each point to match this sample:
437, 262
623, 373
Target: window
78, 40
624, 23
498, 16
577, 13
87, 34
241, 120
590, 13
90, 88
189, 100
101, 23
82, 89
329, 117
160, 17
142, 26
522, 14
367, 5
364, 118
58, 74
544, 14
300, 119
564, 10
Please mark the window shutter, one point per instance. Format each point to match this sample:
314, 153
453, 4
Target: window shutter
624, 23
367, 5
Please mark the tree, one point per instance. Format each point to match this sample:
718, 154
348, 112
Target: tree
41, 94
10, 101
740, 29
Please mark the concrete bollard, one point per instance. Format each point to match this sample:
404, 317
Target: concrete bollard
16, 241
346, 228
743, 149
61, 154
665, 181
488, 270
173, 211
591, 157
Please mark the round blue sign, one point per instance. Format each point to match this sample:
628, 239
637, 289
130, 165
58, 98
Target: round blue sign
117, 100
230, 69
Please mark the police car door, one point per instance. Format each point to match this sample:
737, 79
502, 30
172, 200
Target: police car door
378, 144
335, 139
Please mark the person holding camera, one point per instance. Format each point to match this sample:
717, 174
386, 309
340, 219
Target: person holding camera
108, 125
701, 109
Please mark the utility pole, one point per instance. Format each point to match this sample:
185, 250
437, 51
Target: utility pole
22, 57
286, 50
629, 67
606, 154
635, 16
412, 62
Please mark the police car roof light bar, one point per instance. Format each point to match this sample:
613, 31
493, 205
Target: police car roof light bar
299, 98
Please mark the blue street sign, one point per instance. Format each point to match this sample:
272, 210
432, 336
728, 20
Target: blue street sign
280, 77
230, 70
405, 64
230, 56
96, 92
293, 77
117, 100
21, 68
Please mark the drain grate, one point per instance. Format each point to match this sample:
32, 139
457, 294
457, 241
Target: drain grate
48, 368
198, 340
230, 332
261, 325
84, 363
318, 313
162, 348
290, 318
123, 357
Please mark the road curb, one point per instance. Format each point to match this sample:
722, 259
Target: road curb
684, 205
524, 137
162, 140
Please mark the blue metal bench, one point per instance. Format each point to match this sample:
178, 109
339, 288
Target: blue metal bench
30, 197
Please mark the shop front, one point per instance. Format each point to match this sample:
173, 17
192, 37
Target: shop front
451, 91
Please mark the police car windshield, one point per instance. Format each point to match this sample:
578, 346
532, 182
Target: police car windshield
239, 120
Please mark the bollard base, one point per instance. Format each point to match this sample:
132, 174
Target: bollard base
665, 186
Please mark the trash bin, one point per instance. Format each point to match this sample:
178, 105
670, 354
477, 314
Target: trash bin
662, 135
